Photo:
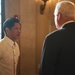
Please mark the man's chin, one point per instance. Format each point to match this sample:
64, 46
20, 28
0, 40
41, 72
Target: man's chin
17, 37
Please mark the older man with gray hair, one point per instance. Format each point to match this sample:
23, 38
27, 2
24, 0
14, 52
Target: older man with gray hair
58, 55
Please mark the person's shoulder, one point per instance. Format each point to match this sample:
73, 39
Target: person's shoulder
1, 43
55, 33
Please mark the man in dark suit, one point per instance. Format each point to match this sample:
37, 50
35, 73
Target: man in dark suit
58, 55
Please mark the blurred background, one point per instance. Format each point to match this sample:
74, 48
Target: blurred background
37, 19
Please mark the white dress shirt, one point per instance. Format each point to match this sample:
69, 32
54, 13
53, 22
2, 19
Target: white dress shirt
9, 54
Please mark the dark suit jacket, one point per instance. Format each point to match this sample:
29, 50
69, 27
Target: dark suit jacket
58, 56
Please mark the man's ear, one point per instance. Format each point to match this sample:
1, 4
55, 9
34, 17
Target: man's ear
7, 30
59, 15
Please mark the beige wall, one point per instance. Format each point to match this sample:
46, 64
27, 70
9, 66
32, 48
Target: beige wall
28, 37
34, 29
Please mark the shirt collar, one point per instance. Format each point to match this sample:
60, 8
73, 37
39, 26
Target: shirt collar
67, 22
9, 40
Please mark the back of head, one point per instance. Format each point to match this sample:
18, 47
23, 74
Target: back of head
66, 8
9, 23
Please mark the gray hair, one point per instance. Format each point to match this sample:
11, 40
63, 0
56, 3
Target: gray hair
66, 8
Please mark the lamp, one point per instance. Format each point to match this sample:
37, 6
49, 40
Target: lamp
42, 6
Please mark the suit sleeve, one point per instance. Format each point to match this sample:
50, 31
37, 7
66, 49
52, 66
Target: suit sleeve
49, 56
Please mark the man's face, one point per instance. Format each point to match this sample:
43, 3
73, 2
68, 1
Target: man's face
14, 32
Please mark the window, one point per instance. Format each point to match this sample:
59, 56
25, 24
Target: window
0, 20
2, 17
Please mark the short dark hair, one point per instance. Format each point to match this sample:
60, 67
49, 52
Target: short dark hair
9, 23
